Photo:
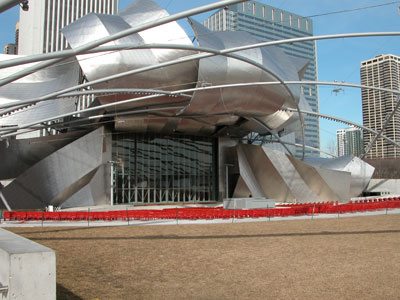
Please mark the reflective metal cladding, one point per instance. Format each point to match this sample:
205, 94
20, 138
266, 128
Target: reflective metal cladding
227, 104
162, 146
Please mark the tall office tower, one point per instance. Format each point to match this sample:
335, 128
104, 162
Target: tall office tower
381, 71
17, 35
39, 29
349, 141
270, 23
10, 49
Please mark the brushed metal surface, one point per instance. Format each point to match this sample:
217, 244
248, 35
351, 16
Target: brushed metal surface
58, 176
268, 178
297, 183
43, 82
16, 156
276, 175
225, 70
361, 172
95, 66
328, 185
263, 101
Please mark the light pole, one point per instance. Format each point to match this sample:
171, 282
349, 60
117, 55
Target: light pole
227, 179
112, 163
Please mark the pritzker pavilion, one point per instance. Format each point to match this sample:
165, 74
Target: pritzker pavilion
138, 113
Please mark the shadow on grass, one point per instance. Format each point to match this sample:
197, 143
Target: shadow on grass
65, 294
201, 237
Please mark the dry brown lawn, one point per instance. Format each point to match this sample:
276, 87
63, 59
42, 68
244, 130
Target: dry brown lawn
347, 258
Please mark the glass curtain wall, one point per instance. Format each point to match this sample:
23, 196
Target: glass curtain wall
152, 168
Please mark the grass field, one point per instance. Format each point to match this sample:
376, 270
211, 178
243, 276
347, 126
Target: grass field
346, 258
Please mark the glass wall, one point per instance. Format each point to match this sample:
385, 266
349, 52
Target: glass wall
152, 168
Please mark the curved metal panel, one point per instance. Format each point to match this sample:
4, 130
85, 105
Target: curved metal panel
264, 100
95, 66
43, 82
163, 125
55, 178
143, 11
361, 172
17, 155
39, 111
287, 179
287, 119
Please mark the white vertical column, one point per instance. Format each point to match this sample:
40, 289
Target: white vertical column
76, 9
59, 25
87, 7
47, 28
223, 20
53, 25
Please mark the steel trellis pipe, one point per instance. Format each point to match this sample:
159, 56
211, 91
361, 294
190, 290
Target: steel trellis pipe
69, 53
311, 113
121, 34
218, 87
275, 135
209, 52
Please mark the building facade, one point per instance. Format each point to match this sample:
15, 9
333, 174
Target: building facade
140, 143
269, 23
349, 141
381, 71
10, 49
39, 29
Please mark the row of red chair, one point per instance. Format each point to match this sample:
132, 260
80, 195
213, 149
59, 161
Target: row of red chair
196, 213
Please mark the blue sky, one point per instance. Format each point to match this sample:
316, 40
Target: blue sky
337, 59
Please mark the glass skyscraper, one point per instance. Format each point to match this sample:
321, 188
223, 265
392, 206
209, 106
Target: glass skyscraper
349, 141
269, 23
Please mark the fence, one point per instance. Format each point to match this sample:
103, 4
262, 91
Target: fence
206, 213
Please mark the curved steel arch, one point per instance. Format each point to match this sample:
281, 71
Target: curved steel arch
121, 34
207, 52
242, 48
275, 135
217, 87
68, 53
129, 90
311, 113
297, 145
300, 82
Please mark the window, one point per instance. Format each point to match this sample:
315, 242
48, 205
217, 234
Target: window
263, 11
254, 9
154, 168
273, 15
